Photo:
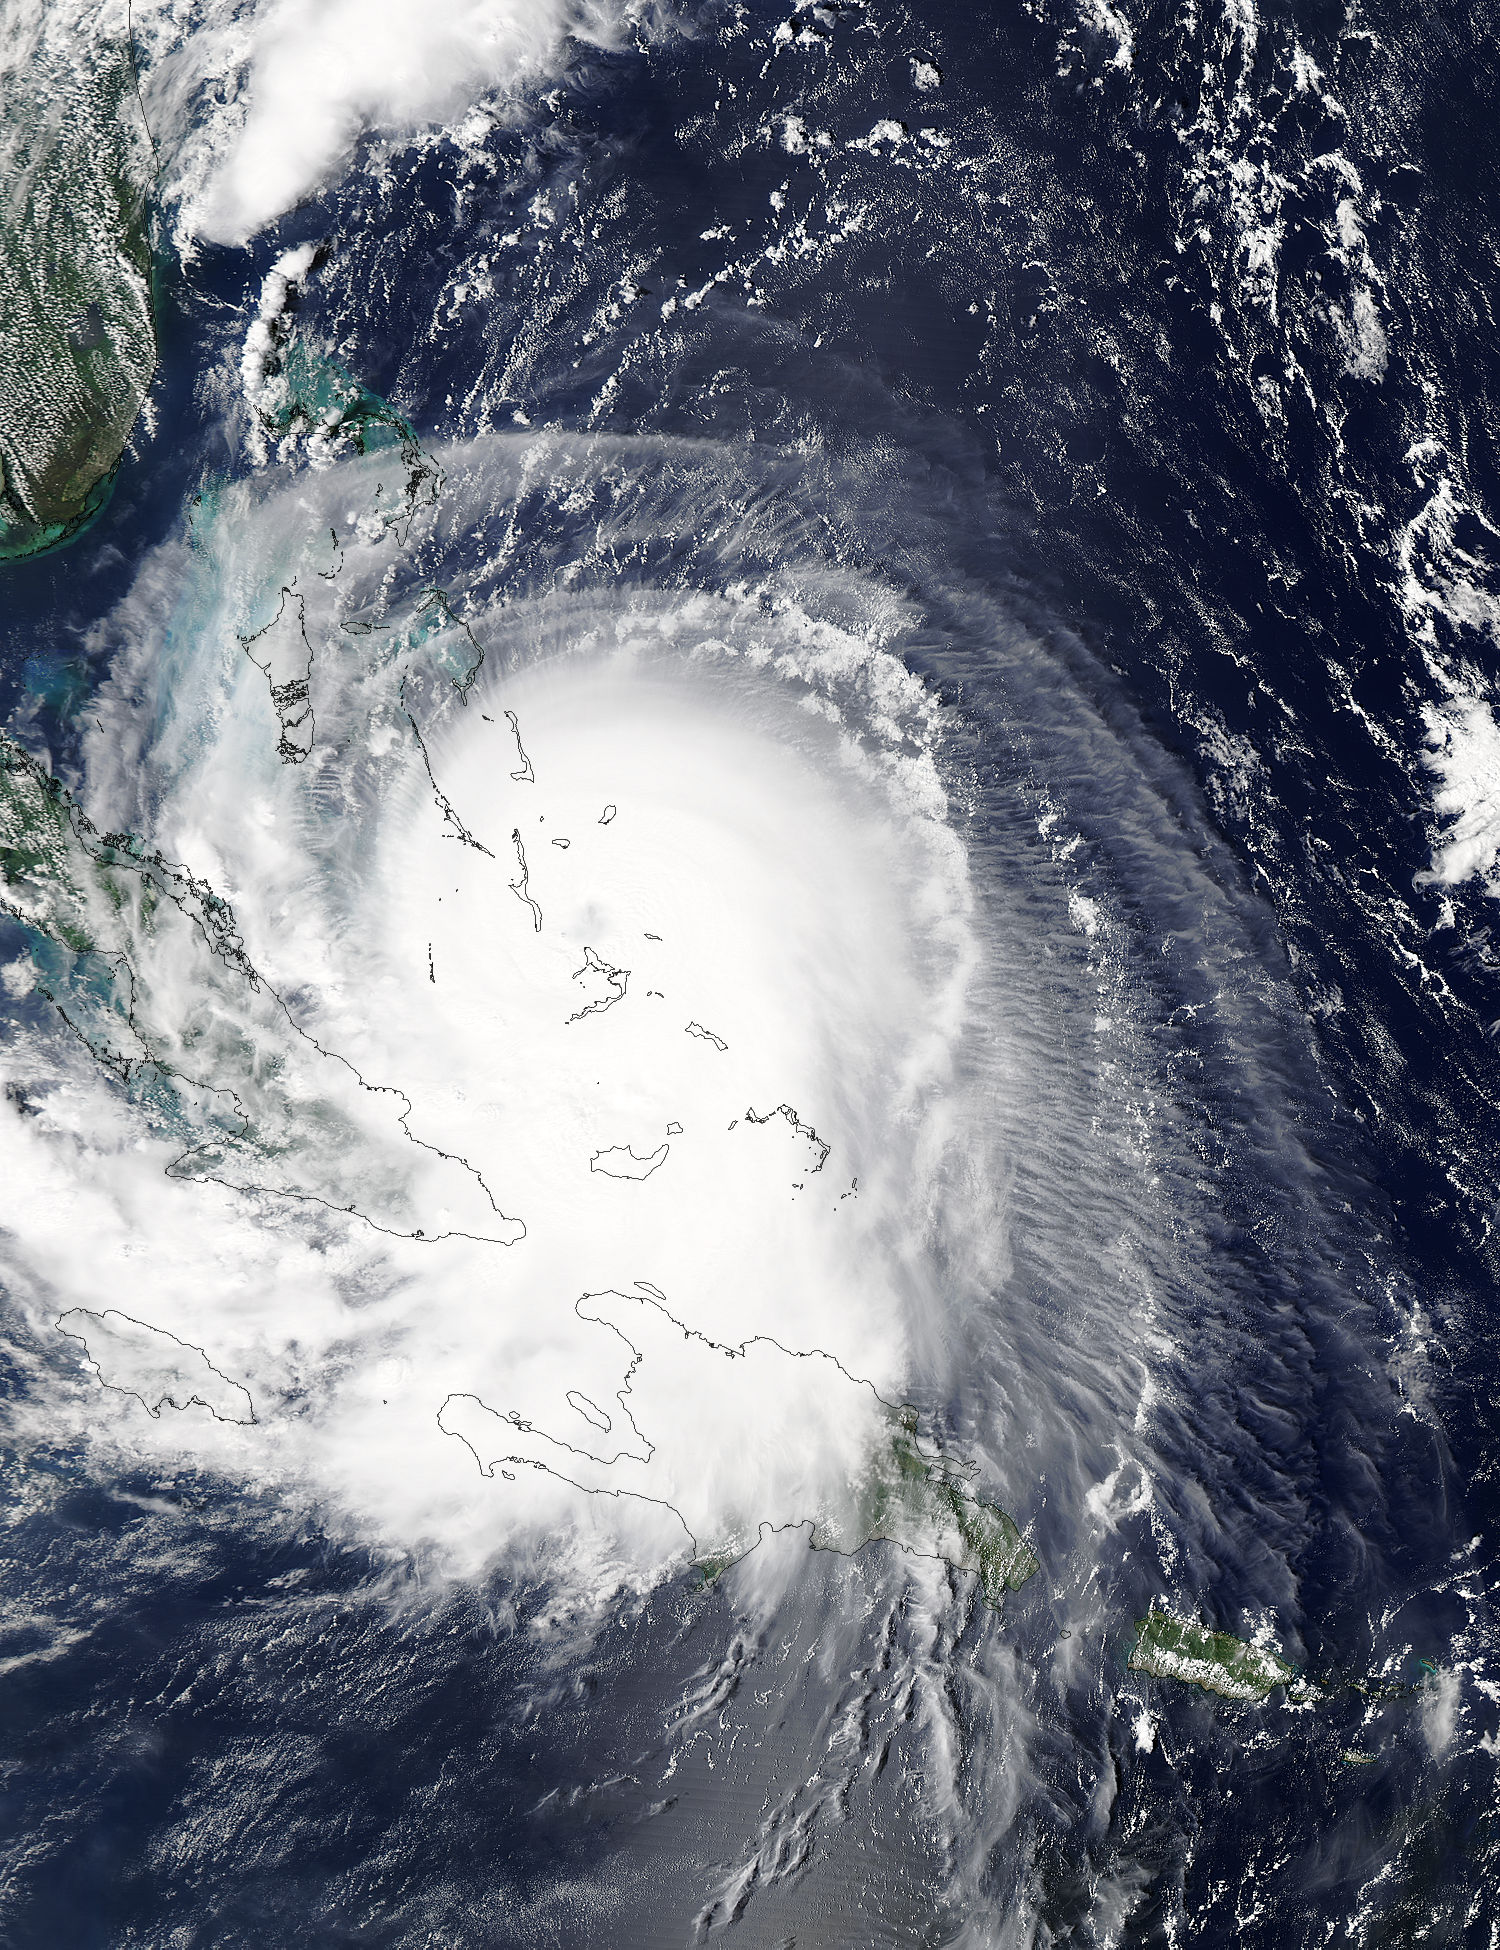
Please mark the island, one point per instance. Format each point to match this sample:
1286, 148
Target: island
802, 1442
1176, 1648
302, 397
604, 984
521, 885
161, 1371
525, 776
282, 653
621, 1162
817, 1150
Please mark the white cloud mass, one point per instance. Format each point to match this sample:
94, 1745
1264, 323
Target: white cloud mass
254, 106
779, 868
323, 71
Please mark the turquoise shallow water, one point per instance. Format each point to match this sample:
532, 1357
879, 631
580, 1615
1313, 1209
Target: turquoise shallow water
1054, 378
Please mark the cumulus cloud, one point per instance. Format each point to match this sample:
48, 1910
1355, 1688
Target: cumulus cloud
322, 71
255, 106
1463, 753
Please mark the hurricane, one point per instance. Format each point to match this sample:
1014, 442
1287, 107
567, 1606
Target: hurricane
747, 821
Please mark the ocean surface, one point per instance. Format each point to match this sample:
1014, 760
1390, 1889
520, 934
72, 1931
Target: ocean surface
1004, 503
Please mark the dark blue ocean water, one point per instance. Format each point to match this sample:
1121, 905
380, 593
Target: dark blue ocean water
1035, 377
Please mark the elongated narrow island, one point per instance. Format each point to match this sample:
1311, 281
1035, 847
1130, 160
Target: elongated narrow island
1176, 1648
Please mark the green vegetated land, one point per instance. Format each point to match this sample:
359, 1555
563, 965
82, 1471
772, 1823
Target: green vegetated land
1175, 1648
923, 1501
77, 338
